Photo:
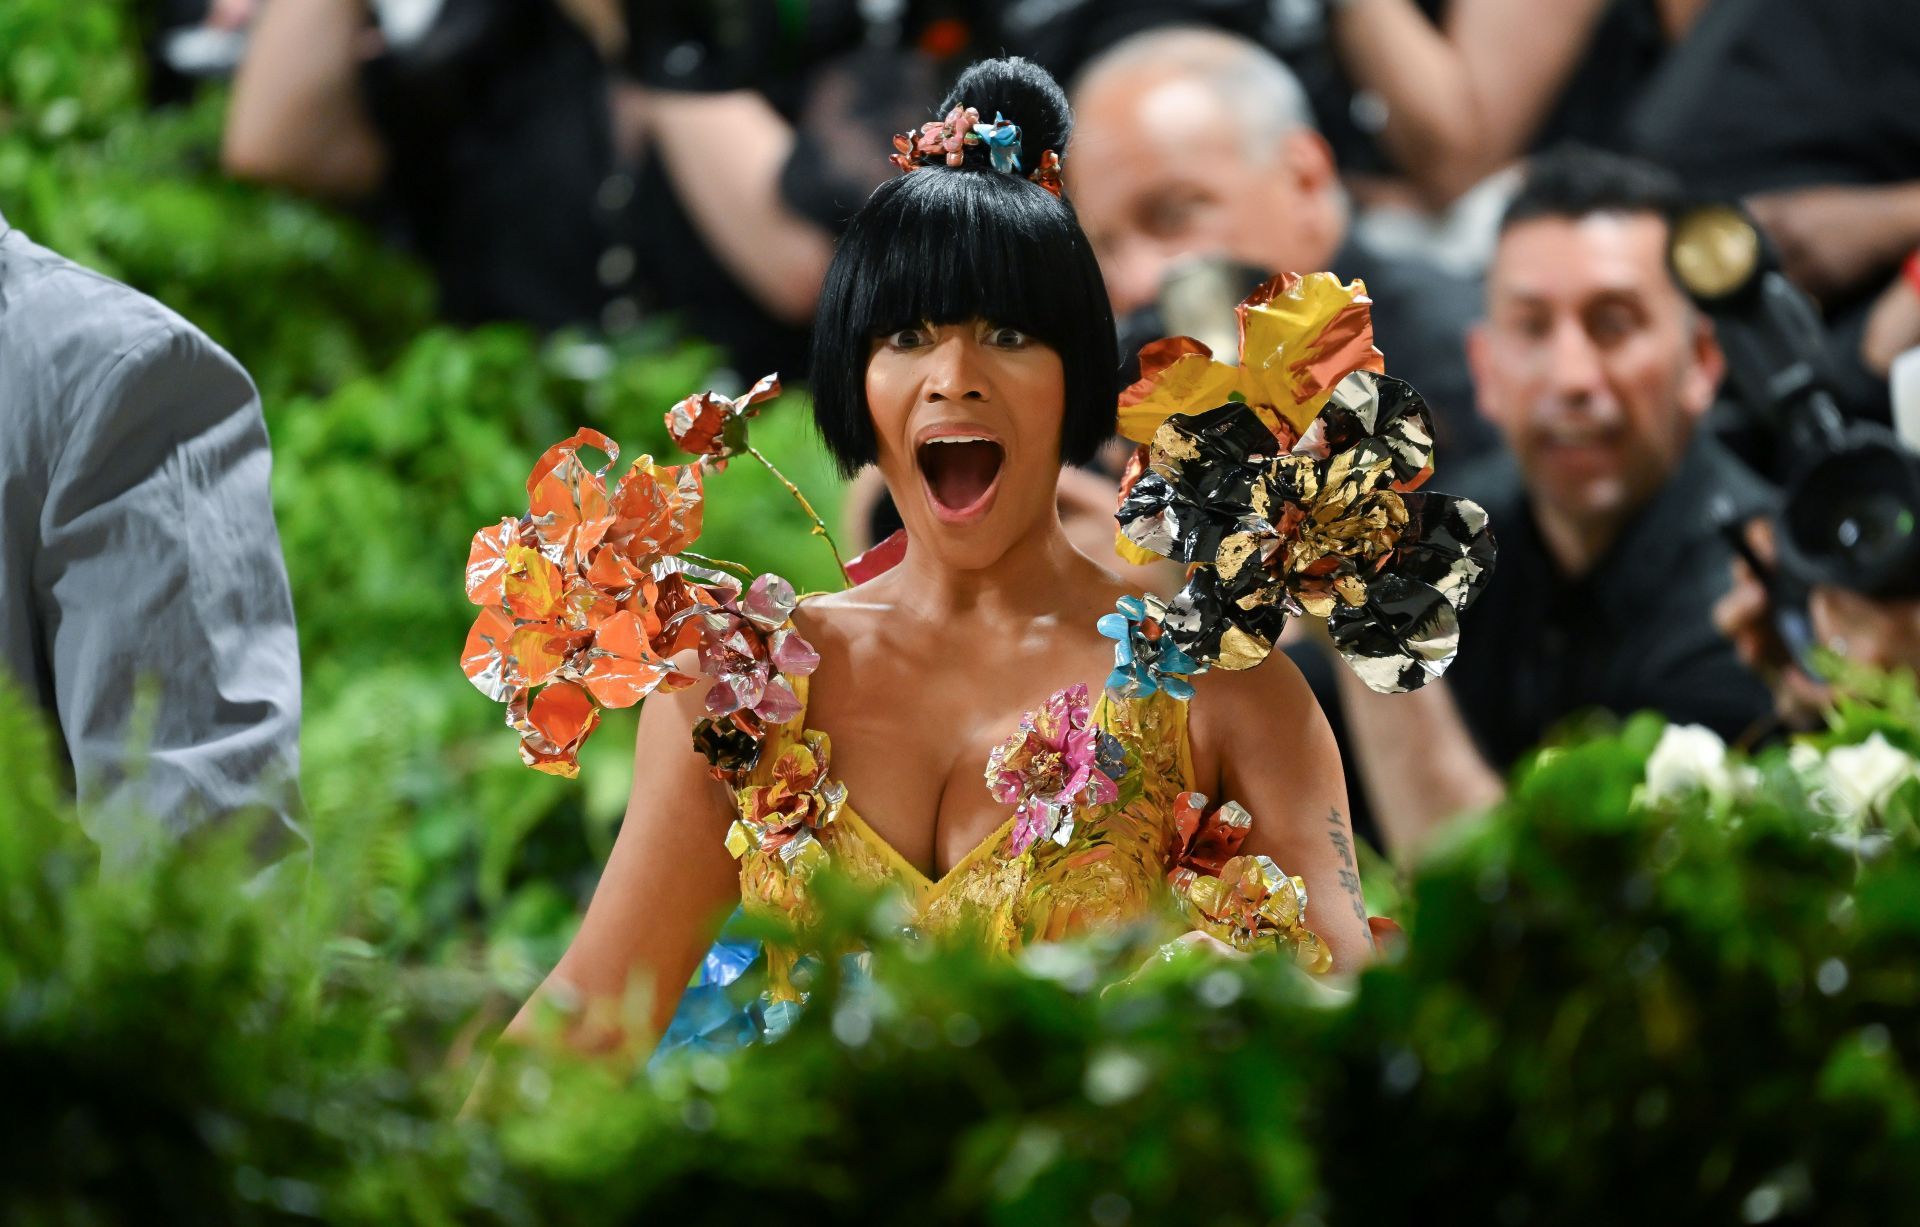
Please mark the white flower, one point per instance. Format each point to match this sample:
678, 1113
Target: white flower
1805, 761
1865, 776
1689, 758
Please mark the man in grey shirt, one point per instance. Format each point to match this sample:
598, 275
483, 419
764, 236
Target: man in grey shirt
142, 568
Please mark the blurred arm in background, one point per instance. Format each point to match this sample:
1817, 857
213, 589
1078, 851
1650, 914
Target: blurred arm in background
1833, 240
1467, 96
1417, 759
725, 153
297, 119
1893, 323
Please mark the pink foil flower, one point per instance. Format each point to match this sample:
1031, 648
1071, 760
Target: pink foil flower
1048, 767
752, 652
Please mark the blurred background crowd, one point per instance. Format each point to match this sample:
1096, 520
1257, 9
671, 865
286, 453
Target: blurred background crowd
1505, 175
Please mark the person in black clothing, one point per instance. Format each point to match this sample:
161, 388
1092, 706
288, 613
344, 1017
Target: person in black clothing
1468, 86
481, 137
1598, 371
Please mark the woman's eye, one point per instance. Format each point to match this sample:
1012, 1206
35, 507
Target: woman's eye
1007, 338
906, 338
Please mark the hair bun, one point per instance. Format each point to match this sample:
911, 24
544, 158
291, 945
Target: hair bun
1026, 94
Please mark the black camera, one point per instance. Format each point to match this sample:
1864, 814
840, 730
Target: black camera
1849, 514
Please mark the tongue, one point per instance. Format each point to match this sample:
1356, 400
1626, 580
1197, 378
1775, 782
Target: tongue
959, 473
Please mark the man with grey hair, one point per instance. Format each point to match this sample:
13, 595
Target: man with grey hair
146, 605
1194, 145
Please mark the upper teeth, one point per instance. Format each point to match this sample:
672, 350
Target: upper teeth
961, 439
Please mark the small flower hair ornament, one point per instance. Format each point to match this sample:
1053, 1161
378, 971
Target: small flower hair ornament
1288, 485
945, 141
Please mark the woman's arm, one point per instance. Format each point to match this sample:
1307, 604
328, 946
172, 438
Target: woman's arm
296, 118
1264, 740
667, 886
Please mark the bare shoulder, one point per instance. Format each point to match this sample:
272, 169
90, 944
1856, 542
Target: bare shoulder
668, 770
834, 622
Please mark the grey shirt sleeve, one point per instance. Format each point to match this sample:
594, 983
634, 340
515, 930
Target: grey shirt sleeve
163, 597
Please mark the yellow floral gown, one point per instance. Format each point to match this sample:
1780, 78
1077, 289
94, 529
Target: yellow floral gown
1111, 871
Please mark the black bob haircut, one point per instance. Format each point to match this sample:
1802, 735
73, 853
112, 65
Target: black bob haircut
1575, 181
943, 245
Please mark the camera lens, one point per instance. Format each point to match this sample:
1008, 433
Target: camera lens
1864, 528
1851, 519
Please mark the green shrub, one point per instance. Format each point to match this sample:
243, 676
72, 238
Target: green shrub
1690, 1009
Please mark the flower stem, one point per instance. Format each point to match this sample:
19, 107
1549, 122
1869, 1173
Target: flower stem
819, 525
739, 568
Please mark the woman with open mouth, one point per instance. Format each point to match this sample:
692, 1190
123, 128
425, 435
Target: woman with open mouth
965, 347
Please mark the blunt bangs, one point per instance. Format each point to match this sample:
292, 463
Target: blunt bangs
943, 246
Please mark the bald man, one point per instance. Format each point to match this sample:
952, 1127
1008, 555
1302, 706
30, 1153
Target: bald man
1191, 144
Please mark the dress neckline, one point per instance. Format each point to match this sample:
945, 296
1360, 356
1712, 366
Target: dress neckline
925, 886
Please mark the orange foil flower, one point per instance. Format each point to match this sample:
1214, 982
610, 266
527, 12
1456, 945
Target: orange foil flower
1204, 840
570, 593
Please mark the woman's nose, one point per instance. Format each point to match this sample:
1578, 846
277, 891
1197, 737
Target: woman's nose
954, 372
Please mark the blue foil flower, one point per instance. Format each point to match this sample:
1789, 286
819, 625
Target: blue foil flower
1002, 140
1144, 656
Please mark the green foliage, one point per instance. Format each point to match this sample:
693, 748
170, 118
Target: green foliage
1610, 1008
67, 71
394, 441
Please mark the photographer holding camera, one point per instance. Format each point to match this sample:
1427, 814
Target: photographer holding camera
1599, 371
1835, 567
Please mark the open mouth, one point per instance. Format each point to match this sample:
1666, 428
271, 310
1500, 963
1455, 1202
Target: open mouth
961, 472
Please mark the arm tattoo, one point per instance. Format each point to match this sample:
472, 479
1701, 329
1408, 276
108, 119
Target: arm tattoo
1350, 875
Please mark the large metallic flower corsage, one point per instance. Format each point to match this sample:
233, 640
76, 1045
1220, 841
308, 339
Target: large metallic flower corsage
568, 623
1289, 489
586, 599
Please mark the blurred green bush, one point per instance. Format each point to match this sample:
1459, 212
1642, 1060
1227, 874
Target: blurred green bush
1697, 1007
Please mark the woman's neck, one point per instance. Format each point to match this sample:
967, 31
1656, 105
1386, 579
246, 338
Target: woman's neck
1025, 582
